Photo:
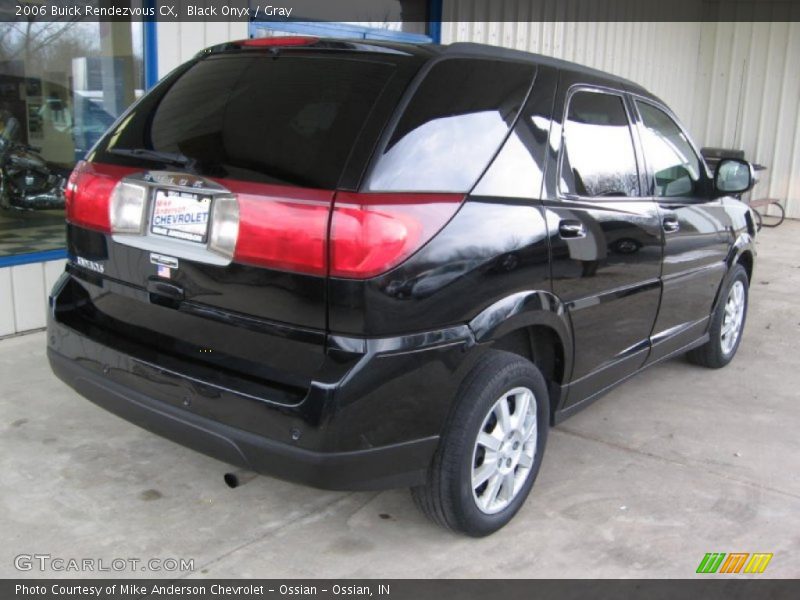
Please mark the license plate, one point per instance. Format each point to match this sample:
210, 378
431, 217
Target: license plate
181, 215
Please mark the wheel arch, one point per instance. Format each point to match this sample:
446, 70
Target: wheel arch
535, 325
742, 252
746, 259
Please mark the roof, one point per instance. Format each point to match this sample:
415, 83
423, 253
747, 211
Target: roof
429, 51
487, 51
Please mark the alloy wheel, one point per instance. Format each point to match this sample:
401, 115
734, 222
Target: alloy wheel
733, 317
504, 450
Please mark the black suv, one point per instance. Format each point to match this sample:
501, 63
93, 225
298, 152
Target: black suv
362, 265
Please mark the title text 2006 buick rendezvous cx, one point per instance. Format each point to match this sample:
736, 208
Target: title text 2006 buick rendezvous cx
368, 265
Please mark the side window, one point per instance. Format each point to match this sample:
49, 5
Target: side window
676, 167
598, 159
453, 126
515, 172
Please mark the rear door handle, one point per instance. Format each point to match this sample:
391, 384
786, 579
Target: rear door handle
571, 229
671, 224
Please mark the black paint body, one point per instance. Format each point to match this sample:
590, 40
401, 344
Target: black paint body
345, 383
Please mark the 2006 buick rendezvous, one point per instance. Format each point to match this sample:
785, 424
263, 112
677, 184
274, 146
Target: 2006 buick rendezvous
365, 265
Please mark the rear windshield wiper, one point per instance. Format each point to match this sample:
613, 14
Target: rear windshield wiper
171, 158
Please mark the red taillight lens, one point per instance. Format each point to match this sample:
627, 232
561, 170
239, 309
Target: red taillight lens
288, 40
72, 183
286, 228
88, 194
372, 233
282, 227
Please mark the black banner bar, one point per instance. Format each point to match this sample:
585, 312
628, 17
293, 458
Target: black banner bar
711, 588
381, 11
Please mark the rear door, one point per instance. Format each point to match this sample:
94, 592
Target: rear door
605, 237
697, 230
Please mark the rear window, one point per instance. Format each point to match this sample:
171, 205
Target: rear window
453, 126
289, 120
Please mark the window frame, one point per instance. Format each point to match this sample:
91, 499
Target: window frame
624, 96
705, 176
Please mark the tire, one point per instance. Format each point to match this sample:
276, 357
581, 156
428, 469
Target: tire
720, 350
448, 497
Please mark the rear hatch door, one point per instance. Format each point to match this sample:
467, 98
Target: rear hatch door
232, 161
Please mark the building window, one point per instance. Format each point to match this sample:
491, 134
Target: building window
61, 85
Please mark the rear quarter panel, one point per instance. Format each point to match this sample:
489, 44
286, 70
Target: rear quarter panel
495, 246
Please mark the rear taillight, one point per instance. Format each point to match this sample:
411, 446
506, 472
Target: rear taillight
127, 205
286, 228
372, 233
88, 196
292, 229
72, 183
224, 233
281, 227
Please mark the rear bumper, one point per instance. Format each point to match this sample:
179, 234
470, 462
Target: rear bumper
369, 418
397, 465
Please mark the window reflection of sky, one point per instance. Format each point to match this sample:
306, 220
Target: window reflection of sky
666, 145
603, 157
667, 152
672, 159
513, 174
444, 154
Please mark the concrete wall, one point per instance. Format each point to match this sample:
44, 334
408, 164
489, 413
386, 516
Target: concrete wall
178, 42
748, 96
660, 56
23, 295
734, 85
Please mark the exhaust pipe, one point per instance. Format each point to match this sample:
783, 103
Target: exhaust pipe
236, 478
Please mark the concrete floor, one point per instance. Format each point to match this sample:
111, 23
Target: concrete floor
678, 462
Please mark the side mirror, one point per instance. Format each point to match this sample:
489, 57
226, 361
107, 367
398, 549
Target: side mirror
733, 176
